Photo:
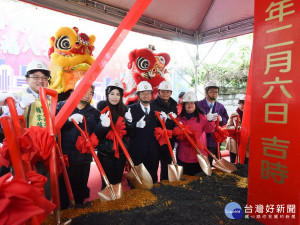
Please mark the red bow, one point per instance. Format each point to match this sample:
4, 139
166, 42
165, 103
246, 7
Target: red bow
83, 145
4, 155
160, 136
177, 132
20, 201
232, 134
220, 135
120, 127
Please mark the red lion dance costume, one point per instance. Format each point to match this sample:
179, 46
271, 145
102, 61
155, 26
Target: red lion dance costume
145, 66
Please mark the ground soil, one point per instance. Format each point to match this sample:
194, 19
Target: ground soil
194, 200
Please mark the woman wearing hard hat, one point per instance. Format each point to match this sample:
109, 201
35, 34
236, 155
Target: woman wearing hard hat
231, 144
112, 160
193, 116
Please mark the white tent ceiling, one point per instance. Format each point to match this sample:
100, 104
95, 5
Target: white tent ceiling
191, 21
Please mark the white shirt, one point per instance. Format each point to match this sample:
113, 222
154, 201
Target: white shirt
143, 108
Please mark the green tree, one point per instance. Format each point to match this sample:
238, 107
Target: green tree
231, 71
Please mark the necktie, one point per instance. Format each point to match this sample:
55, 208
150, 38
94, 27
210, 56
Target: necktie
211, 106
146, 111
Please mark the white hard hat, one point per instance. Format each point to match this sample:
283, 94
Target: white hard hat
242, 99
165, 85
211, 84
115, 83
144, 86
37, 65
189, 97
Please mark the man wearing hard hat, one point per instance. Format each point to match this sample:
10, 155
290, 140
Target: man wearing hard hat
209, 105
29, 105
166, 105
143, 147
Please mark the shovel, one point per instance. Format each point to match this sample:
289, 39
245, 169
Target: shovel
220, 163
138, 175
203, 160
175, 172
110, 192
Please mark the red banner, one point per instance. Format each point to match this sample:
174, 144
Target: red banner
273, 191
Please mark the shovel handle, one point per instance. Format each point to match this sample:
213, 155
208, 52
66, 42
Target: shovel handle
237, 160
166, 136
49, 116
118, 136
14, 115
97, 161
218, 144
52, 161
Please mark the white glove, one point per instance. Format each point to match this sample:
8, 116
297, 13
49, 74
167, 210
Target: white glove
220, 118
128, 116
27, 99
163, 116
210, 116
215, 117
3, 98
173, 114
77, 117
141, 123
105, 120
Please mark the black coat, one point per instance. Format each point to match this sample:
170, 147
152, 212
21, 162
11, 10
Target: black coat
69, 133
142, 142
169, 107
105, 146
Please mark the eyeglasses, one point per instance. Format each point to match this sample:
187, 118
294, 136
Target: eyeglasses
36, 78
214, 92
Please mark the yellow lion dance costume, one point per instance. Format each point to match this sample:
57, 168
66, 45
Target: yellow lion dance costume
71, 56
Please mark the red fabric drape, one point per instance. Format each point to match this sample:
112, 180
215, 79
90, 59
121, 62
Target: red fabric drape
19, 201
120, 127
4, 155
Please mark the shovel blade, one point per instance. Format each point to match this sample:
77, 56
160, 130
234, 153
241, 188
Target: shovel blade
224, 165
204, 164
175, 172
111, 192
141, 180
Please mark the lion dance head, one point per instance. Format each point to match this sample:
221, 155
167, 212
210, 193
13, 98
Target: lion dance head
71, 56
145, 65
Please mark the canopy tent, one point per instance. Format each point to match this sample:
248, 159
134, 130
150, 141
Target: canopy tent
191, 21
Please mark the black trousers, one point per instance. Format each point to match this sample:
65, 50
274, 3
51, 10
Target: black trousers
190, 169
165, 159
41, 169
4, 170
233, 157
78, 176
113, 168
213, 151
